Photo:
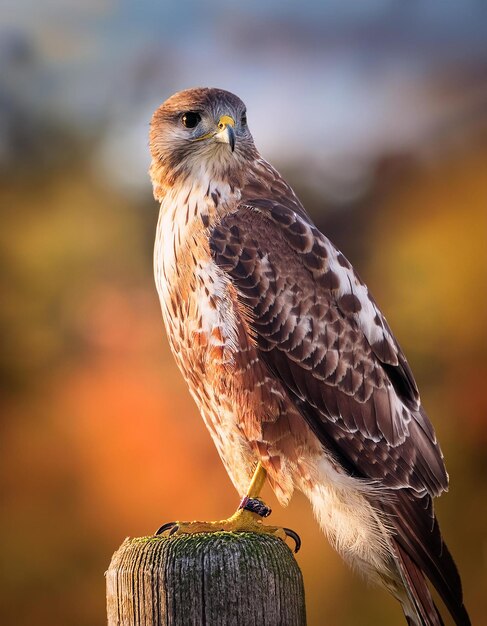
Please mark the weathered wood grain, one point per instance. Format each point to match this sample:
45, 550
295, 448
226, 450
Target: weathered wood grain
214, 579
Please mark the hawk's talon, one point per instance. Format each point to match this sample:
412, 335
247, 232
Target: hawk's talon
243, 520
169, 525
173, 530
295, 537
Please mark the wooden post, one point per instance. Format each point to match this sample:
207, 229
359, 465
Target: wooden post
211, 579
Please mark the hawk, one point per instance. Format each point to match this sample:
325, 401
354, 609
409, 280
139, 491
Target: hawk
295, 370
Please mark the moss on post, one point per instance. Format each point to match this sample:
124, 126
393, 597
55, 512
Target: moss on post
213, 579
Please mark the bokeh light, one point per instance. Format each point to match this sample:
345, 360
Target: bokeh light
375, 111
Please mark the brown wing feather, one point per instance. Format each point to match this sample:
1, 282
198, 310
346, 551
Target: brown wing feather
308, 340
348, 378
419, 537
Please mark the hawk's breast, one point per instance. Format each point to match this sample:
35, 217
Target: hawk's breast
202, 325
199, 315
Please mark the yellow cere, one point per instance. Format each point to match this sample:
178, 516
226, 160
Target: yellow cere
225, 120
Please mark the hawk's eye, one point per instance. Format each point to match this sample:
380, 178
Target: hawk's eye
191, 119
243, 120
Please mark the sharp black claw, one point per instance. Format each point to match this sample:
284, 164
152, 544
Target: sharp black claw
295, 537
164, 527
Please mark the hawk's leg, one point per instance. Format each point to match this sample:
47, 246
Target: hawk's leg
247, 518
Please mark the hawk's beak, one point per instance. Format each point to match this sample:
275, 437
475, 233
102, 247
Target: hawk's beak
226, 132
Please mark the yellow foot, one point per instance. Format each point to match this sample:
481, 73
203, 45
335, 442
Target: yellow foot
241, 521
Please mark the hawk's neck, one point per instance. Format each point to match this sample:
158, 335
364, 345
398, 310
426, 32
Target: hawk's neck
188, 211
194, 204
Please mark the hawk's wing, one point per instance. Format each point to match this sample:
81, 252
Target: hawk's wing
322, 335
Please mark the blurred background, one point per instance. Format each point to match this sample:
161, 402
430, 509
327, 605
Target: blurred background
375, 111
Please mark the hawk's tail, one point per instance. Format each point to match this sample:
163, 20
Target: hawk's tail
419, 596
420, 553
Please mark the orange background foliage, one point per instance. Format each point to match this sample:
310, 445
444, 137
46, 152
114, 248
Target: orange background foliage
99, 437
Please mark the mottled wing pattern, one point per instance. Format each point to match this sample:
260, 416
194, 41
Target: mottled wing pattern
322, 336
320, 333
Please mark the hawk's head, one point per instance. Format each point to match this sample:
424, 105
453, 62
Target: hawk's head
199, 133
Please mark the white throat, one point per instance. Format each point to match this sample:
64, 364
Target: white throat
186, 208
